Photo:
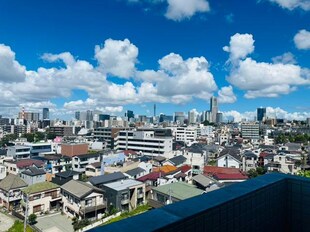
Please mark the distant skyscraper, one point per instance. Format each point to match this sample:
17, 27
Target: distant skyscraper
219, 117
129, 114
213, 108
261, 114
46, 113
191, 117
179, 117
77, 115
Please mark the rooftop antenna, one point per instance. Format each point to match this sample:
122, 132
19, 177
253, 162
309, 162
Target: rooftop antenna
154, 110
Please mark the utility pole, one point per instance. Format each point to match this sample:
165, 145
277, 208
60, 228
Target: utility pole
26, 213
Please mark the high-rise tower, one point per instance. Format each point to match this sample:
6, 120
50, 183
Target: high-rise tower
213, 108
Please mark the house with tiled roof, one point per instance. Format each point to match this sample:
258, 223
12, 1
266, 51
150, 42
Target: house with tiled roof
10, 191
171, 193
16, 167
229, 158
82, 200
165, 168
176, 161
93, 169
42, 197
33, 175
230, 177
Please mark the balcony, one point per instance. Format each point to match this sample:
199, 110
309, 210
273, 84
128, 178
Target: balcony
272, 202
92, 208
125, 201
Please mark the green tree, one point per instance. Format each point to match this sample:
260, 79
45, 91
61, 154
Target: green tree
7, 138
50, 135
32, 219
304, 173
38, 136
29, 137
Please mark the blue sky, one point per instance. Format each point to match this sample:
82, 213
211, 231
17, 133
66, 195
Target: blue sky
115, 55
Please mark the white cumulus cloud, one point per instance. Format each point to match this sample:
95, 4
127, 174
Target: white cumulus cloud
226, 95
10, 69
240, 46
183, 9
293, 4
117, 57
302, 39
286, 58
262, 79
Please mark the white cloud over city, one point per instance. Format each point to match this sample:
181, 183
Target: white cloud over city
293, 4
262, 79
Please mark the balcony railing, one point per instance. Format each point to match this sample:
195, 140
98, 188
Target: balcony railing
272, 202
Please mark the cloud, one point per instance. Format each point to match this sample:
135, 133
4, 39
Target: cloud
226, 95
176, 81
186, 77
240, 46
302, 39
183, 9
262, 79
271, 112
10, 69
293, 4
286, 58
117, 57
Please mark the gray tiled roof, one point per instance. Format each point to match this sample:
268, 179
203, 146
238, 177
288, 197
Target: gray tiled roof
34, 171
12, 182
135, 171
177, 160
107, 178
79, 188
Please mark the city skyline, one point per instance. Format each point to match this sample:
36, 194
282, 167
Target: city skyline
124, 55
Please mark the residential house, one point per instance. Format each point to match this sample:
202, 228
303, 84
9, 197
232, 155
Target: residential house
176, 161
135, 173
249, 161
33, 175
2, 172
42, 197
125, 195
230, 177
206, 183
229, 160
93, 169
82, 200
99, 181
10, 191
64, 177
79, 162
171, 193
16, 167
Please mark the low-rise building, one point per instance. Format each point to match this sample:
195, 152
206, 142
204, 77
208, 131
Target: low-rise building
79, 162
82, 200
171, 193
93, 169
16, 167
125, 195
33, 175
10, 191
42, 197
19, 152
99, 181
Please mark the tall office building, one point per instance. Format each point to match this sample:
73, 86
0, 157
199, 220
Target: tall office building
179, 117
129, 114
191, 117
213, 108
77, 115
46, 113
219, 117
261, 114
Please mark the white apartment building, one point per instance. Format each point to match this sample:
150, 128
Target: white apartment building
250, 131
19, 152
185, 134
148, 142
79, 162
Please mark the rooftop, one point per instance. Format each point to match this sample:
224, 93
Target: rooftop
12, 182
107, 178
123, 184
40, 187
179, 190
79, 189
